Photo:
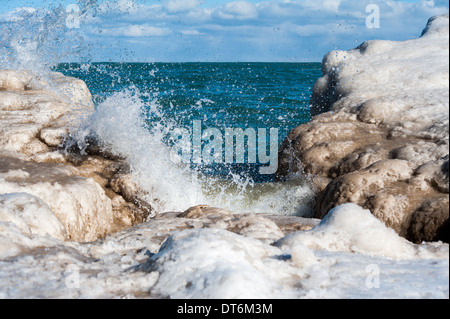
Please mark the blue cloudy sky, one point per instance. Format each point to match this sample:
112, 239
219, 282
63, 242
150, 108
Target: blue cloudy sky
226, 30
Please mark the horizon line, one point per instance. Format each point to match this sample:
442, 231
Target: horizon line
185, 62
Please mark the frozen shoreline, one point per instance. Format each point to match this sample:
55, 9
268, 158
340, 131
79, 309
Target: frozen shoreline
76, 225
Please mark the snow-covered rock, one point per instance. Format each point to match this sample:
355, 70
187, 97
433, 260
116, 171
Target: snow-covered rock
380, 135
36, 117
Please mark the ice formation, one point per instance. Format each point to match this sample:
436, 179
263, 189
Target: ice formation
380, 135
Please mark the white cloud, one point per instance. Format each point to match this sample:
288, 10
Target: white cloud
240, 10
324, 5
239, 29
175, 6
190, 32
233, 29
119, 6
136, 31
18, 14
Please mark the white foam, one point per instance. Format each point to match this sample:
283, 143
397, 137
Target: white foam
119, 124
32, 38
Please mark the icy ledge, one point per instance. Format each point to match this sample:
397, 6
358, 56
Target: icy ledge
209, 253
380, 135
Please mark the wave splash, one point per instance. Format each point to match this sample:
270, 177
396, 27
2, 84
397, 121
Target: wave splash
37, 39
134, 125
120, 124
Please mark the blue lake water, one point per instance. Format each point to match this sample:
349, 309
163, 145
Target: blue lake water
213, 95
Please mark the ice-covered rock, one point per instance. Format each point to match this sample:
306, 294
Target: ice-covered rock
351, 228
31, 215
26, 222
12, 80
79, 203
36, 116
380, 135
220, 263
206, 256
29, 105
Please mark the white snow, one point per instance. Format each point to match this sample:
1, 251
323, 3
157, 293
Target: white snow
215, 263
403, 85
79, 203
350, 228
31, 215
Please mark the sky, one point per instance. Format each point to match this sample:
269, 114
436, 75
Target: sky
230, 31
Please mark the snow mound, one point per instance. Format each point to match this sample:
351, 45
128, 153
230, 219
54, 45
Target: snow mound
213, 263
350, 228
393, 83
26, 222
